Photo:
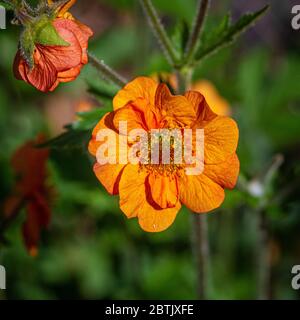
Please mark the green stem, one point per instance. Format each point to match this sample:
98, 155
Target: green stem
200, 243
201, 253
160, 32
263, 254
192, 44
106, 72
263, 236
184, 79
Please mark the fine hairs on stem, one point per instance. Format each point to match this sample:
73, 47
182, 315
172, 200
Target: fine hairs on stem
264, 236
199, 226
106, 72
200, 246
192, 44
160, 32
264, 257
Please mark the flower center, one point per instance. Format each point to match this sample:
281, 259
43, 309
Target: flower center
164, 152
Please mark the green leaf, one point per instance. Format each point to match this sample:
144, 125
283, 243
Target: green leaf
102, 89
79, 132
6, 5
88, 120
226, 33
71, 139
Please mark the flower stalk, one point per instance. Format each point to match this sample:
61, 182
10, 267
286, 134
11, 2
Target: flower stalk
193, 42
160, 32
201, 253
263, 265
200, 243
263, 234
184, 79
106, 72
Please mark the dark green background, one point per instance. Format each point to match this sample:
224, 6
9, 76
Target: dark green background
91, 251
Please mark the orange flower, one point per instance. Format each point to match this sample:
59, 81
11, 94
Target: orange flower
54, 64
30, 191
154, 193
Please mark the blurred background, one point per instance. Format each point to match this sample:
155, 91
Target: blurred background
90, 250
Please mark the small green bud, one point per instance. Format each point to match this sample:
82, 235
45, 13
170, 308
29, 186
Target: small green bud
39, 31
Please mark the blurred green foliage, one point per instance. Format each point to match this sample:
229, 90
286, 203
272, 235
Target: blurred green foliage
91, 250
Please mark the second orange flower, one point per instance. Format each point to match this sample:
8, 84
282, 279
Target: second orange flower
53, 47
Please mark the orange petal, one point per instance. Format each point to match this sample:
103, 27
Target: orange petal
64, 8
105, 123
199, 193
64, 57
135, 201
141, 87
176, 110
80, 31
133, 117
202, 109
109, 175
164, 190
29, 164
69, 74
226, 173
43, 76
220, 140
38, 216
66, 76
137, 114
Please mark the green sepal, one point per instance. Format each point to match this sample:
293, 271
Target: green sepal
42, 32
27, 45
46, 34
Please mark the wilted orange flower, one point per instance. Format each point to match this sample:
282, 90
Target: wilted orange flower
54, 64
154, 193
30, 191
84, 105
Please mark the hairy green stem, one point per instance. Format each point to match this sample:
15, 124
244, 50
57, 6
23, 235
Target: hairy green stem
193, 42
201, 253
106, 72
184, 79
160, 32
263, 235
200, 243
